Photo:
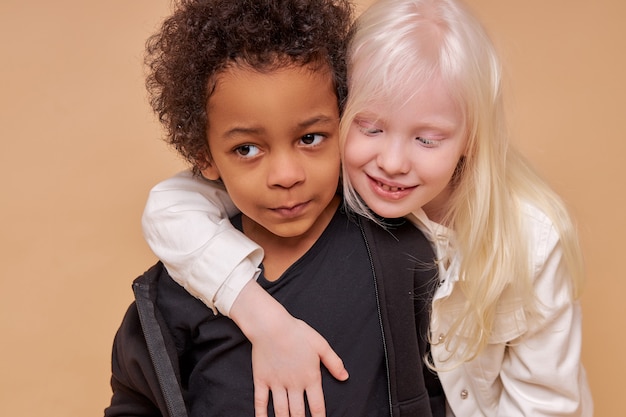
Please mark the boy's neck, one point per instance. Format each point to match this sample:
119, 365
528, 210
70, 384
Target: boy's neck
282, 252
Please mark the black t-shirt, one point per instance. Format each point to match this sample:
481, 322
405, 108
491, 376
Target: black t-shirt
331, 287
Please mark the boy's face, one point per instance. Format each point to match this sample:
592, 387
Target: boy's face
273, 139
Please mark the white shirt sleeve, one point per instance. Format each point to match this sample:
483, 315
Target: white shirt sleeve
186, 224
542, 374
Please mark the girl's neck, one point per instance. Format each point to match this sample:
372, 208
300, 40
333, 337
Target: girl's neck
436, 208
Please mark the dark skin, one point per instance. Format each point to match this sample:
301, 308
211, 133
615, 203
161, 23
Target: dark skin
277, 153
196, 43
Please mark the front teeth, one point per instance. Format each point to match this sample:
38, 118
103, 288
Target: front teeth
389, 188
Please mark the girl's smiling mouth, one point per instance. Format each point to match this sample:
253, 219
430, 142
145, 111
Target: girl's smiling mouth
386, 186
389, 190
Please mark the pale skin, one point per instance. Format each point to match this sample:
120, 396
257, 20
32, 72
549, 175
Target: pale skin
277, 153
402, 160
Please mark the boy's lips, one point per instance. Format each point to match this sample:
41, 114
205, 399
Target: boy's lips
290, 210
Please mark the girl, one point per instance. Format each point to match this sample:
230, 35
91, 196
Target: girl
424, 137
505, 326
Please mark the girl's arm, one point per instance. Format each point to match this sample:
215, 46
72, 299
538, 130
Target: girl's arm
186, 225
542, 371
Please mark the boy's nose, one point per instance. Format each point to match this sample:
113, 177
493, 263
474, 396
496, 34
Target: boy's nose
285, 170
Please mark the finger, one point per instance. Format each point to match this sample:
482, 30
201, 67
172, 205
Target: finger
281, 403
261, 399
333, 363
315, 398
296, 403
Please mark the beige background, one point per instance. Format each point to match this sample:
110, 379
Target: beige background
80, 150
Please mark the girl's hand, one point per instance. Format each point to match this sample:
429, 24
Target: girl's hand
286, 355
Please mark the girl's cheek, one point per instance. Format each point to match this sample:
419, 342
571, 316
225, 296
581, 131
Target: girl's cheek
350, 148
351, 136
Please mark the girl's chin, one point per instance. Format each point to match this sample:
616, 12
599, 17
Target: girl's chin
392, 211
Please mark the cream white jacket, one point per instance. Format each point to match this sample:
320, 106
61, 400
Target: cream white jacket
523, 372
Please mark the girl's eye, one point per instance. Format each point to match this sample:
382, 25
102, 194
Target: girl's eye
312, 139
429, 143
371, 130
247, 151
367, 128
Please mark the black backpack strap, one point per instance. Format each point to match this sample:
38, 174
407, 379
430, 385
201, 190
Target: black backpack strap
170, 386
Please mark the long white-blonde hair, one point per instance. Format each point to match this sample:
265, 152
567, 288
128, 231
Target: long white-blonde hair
398, 46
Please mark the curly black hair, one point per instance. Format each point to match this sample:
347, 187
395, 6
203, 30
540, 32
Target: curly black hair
204, 37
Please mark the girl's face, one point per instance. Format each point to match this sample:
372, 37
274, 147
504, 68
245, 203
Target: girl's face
402, 158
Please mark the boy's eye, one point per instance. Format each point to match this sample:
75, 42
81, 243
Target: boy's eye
247, 151
312, 139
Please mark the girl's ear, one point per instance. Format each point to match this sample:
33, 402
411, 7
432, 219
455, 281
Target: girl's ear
458, 170
467, 143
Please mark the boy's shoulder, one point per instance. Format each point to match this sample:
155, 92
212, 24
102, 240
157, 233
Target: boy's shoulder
157, 287
401, 250
399, 234
155, 283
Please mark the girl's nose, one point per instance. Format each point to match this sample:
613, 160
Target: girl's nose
392, 157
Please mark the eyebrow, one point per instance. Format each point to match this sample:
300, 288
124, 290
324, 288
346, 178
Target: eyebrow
237, 131
252, 130
318, 119
368, 117
436, 123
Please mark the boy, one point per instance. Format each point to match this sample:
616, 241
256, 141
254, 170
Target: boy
249, 91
